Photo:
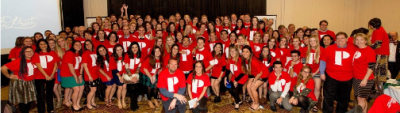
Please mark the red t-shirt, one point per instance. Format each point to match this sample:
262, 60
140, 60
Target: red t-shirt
257, 47
171, 81
296, 72
97, 43
126, 42
236, 70
276, 53
47, 61
110, 47
251, 33
90, 57
285, 56
280, 83
133, 63
381, 34
186, 63
339, 62
82, 40
211, 45
107, 31
385, 103
310, 85
70, 58
218, 63
14, 67
198, 84
313, 65
350, 41
106, 68
266, 66
327, 32
247, 25
118, 65
205, 56
362, 57
14, 53
255, 66
150, 69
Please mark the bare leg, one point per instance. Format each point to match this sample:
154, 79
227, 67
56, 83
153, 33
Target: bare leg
216, 85
119, 96
317, 89
55, 90
81, 88
75, 103
113, 88
253, 90
123, 95
249, 84
67, 96
108, 91
90, 97
363, 103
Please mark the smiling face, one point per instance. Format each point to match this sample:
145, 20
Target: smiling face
119, 51
360, 41
88, 46
77, 46
246, 53
102, 51
199, 68
43, 46
28, 53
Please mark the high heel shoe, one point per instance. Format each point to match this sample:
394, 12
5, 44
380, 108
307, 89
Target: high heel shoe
73, 109
58, 104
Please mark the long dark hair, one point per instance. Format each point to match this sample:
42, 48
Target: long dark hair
247, 69
237, 27
194, 70
214, 53
130, 52
178, 55
38, 50
152, 57
23, 66
115, 55
184, 24
72, 49
100, 59
269, 56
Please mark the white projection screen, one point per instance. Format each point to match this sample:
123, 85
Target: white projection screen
25, 17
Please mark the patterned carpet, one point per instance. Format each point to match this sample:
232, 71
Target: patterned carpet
223, 107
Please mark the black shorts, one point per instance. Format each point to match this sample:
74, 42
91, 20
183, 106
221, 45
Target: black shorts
213, 77
93, 84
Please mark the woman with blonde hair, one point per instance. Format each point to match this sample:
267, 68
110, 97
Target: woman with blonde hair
169, 42
302, 94
363, 67
312, 59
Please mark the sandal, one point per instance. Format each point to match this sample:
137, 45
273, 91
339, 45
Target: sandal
315, 109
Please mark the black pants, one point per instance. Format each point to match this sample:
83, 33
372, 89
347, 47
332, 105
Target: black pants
336, 90
44, 90
394, 69
304, 103
24, 108
133, 94
151, 92
202, 106
235, 91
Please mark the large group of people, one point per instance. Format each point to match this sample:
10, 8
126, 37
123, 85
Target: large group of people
179, 59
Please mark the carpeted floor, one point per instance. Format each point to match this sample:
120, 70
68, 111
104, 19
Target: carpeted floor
223, 107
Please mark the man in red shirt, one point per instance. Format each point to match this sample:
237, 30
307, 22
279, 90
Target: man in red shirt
172, 85
323, 30
380, 43
337, 61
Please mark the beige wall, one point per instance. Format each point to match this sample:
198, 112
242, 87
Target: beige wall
94, 8
342, 15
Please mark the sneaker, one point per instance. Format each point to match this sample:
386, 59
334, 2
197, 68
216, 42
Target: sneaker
261, 107
139, 98
145, 97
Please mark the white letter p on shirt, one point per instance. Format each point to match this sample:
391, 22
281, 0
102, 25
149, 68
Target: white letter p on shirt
171, 82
